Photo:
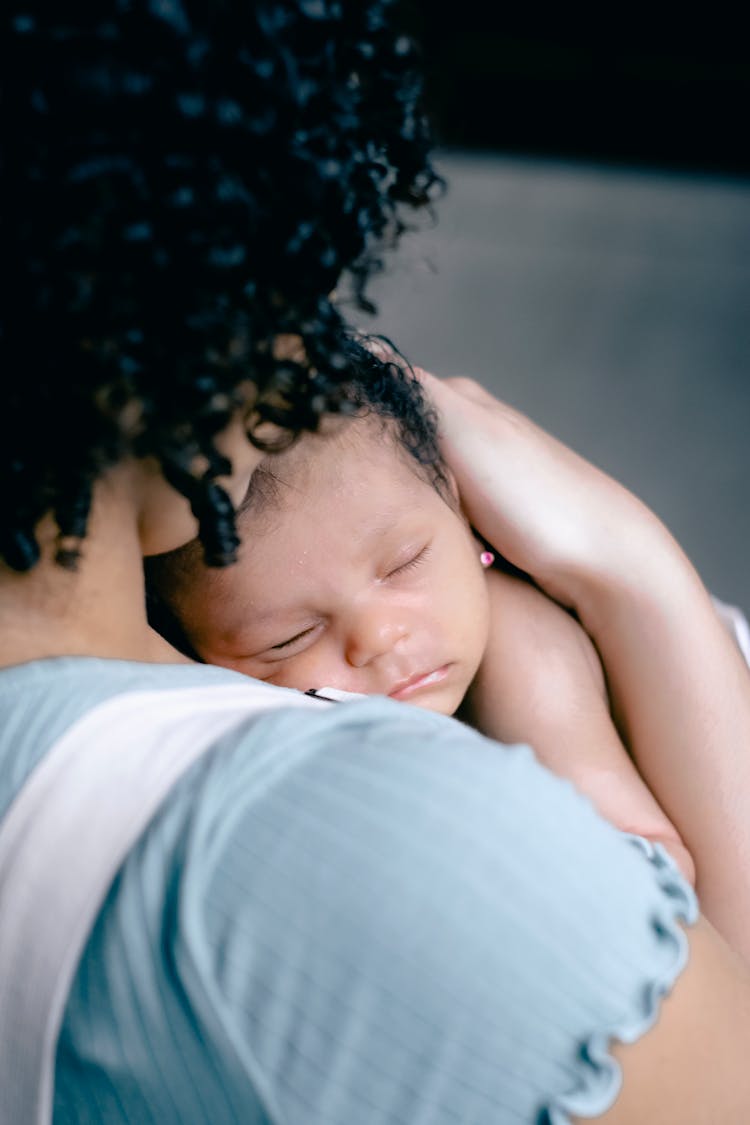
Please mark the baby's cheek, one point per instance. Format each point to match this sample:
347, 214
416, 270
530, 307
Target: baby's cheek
247, 665
239, 664
284, 677
302, 674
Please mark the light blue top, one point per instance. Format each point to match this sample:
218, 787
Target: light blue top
394, 922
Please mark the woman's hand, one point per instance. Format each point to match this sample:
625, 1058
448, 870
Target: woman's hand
546, 509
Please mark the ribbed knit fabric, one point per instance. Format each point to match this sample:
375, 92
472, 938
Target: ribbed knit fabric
366, 915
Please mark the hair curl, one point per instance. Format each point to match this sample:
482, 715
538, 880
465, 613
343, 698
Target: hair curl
187, 180
390, 390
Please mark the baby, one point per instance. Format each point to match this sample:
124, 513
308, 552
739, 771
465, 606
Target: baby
358, 571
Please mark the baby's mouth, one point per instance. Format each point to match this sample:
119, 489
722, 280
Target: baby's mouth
404, 689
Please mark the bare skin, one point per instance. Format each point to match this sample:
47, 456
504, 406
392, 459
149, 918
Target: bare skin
680, 688
691, 1068
100, 608
541, 681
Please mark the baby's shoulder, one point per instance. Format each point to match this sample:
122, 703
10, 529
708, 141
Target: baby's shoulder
535, 635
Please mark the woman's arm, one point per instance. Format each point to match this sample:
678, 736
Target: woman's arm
680, 688
541, 682
681, 695
691, 1068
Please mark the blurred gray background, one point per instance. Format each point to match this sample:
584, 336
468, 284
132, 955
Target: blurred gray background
611, 305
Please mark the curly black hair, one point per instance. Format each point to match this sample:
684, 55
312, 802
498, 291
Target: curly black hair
388, 391
187, 180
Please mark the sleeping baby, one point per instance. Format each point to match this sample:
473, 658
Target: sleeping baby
358, 571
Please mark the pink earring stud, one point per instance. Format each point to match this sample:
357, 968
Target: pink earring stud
486, 558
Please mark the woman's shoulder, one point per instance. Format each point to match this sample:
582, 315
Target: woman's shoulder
323, 896
331, 889
41, 699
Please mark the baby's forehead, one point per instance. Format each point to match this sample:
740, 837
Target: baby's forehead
354, 453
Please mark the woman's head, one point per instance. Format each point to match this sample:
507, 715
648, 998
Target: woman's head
357, 568
186, 183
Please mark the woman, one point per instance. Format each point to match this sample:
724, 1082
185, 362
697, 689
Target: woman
313, 919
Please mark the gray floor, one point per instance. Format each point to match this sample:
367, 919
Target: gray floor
614, 308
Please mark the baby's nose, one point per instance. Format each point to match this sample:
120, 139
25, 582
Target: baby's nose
372, 634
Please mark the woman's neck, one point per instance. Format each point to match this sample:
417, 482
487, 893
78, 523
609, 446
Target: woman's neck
97, 610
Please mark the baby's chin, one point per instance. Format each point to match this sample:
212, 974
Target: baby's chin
438, 707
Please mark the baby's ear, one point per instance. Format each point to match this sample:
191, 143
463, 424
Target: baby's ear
452, 495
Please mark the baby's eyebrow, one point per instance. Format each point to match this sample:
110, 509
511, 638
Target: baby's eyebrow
384, 522
280, 615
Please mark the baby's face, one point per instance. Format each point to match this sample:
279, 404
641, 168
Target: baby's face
357, 575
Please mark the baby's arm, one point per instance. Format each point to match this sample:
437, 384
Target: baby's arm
541, 682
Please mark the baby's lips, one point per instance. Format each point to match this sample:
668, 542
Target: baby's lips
406, 687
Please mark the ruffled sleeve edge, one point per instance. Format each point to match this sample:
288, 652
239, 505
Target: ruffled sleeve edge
600, 1077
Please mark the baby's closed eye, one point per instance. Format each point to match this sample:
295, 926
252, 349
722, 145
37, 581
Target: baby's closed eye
292, 640
278, 646
411, 563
